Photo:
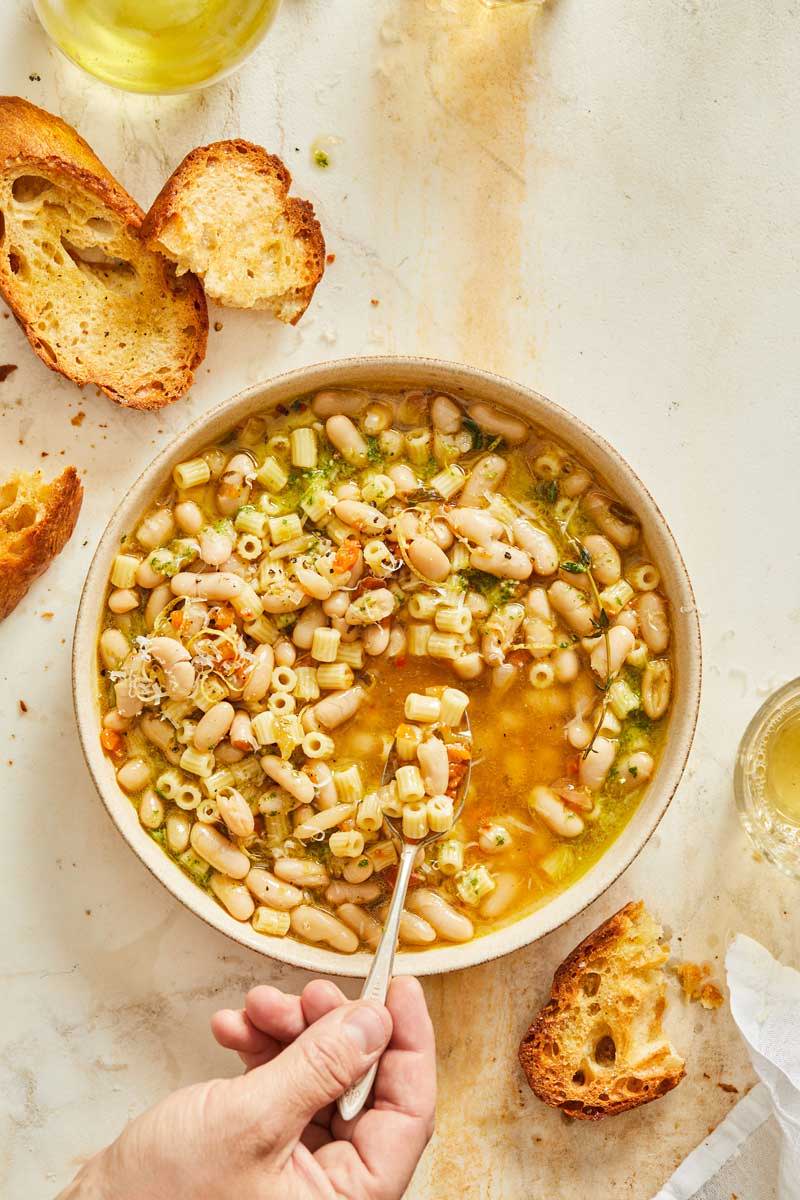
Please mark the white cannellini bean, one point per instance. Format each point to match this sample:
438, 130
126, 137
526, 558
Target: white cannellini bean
537, 604
558, 818
608, 660
133, 775
566, 665
259, 675
446, 416
241, 732
317, 925
115, 720
376, 639
656, 688
475, 525
506, 889
272, 891
233, 895
303, 872
157, 601
151, 810
429, 559
651, 609
336, 605
215, 547
360, 516
434, 765
348, 441
285, 599
450, 924
179, 826
633, 770
312, 619
114, 648
372, 607
497, 423
329, 403
189, 517
498, 558
595, 766
175, 660
403, 478
215, 849
219, 585
235, 812
486, 477
352, 893
606, 563
414, 930
213, 725
612, 518
285, 653
226, 754
123, 600
294, 782
156, 529
573, 606
162, 735
128, 703
321, 776
362, 923
146, 577
312, 582
537, 544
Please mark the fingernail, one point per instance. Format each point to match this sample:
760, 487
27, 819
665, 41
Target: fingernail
366, 1029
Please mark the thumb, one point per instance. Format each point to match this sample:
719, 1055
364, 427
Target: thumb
320, 1065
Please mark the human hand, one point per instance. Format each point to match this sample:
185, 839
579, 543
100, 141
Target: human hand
275, 1131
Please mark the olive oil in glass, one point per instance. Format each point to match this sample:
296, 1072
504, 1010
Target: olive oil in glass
157, 45
767, 779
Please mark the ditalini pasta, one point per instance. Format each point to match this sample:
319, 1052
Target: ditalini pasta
359, 568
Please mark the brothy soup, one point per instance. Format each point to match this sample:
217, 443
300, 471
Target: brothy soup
358, 567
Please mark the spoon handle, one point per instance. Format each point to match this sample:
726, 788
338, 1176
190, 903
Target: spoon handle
380, 973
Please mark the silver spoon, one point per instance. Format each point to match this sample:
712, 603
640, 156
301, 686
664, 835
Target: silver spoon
377, 982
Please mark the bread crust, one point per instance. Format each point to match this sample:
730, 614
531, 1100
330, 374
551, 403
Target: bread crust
26, 554
553, 1084
299, 214
32, 137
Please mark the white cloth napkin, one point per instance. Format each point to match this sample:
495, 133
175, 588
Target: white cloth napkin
755, 1153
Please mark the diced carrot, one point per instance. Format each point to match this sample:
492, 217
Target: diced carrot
111, 741
346, 556
176, 618
223, 617
401, 661
517, 658
225, 652
458, 753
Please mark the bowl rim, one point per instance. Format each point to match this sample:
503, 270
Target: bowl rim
393, 372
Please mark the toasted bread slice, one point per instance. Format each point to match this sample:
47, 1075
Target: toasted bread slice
36, 522
95, 302
597, 1047
226, 215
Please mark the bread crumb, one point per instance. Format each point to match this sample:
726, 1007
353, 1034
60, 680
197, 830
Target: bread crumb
694, 981
710, 996
47, 616
78, 419
728, 1087
374, 303
6, 369
23, 708
330, 258
217, 326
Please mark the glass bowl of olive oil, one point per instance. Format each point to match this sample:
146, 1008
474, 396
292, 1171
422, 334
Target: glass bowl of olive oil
157, 45
767, 779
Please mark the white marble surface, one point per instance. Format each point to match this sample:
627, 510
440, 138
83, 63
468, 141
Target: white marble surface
597, 199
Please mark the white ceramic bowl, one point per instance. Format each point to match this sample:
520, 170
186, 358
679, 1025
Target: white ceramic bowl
390, 373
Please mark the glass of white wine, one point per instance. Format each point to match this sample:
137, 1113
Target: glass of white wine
157, 45
767, 779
